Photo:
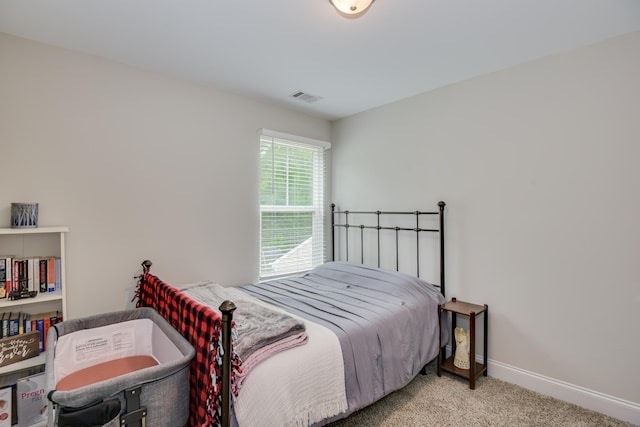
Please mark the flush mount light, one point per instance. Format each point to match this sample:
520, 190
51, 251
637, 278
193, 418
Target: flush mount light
351, 7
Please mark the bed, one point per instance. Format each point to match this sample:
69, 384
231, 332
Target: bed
351, 331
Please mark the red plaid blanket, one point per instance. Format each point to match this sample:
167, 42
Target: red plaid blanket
201, 326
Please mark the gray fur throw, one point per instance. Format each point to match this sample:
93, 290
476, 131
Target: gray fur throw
256, 324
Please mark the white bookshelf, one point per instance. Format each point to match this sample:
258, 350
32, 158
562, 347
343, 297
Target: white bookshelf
34, 242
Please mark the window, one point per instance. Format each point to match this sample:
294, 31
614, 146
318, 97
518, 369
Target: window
292, 186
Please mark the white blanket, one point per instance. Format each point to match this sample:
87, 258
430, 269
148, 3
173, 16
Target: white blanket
297, 387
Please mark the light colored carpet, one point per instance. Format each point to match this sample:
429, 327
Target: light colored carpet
430, 400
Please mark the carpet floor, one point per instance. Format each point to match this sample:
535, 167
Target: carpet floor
430, 400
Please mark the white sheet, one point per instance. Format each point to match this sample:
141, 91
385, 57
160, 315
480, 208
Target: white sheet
296, 387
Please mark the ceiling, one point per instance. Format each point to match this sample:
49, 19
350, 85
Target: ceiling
272, 49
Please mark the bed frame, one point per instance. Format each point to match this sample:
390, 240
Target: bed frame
339, 219
344, 217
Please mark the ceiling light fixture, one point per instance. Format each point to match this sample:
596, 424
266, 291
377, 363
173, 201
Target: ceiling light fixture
351, 7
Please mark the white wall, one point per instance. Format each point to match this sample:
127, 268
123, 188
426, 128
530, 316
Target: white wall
138, 165
538, 165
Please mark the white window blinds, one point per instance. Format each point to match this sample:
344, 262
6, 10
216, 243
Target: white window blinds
292, 186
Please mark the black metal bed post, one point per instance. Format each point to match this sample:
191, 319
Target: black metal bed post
333, 232
441, 205
146, 266
378, 229
397, 250
346, 235
417, 243
361, 244
227, 308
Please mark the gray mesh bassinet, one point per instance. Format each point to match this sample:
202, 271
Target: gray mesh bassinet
152, 396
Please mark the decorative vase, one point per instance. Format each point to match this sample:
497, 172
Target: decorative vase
24, 215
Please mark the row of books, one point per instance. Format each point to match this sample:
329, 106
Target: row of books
15, 323
29, 274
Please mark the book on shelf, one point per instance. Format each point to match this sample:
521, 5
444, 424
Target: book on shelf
51, 274
29, 274
14, 323
34, 267
31, 400
27, 323
43, 275
58, 275
3, 276
21, 325
18, 273
6, 396
6, 275
40, 329
4, 329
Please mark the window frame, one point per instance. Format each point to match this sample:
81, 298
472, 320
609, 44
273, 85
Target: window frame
317, 208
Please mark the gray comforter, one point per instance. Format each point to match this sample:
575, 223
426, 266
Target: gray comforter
387, 322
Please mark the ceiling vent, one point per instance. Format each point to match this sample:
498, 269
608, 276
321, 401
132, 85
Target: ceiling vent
305, 97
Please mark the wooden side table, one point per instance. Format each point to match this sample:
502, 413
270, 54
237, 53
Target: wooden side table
476, 369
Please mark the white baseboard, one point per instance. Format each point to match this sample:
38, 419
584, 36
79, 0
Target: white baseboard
612, 406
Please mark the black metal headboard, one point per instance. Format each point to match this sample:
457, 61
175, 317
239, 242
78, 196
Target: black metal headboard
341, 219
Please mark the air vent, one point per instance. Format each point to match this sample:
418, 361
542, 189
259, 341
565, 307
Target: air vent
305, 97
